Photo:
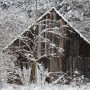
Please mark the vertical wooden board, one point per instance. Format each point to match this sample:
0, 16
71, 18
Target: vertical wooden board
78, 45
71, 44
71, 68
86, 63
54, 19
57, 65
33, 72
60, 63
82, 66
74, 64
49, 50
61, 45
79, 65
51, 65
74, 45
67, 64
87, 67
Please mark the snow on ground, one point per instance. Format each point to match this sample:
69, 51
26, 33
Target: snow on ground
47, 87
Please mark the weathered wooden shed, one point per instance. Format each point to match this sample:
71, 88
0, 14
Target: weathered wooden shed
52, 41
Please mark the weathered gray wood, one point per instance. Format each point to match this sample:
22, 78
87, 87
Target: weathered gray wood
71, 68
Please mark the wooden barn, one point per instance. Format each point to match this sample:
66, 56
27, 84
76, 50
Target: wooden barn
54, 43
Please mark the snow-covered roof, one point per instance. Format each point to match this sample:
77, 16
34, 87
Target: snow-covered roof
53, 8
65, 21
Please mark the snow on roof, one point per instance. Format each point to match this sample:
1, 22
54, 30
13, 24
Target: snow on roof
53, 8
65, 21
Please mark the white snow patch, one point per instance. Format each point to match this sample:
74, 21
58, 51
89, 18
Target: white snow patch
46, 87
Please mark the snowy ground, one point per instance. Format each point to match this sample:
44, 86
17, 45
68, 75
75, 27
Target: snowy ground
47, 87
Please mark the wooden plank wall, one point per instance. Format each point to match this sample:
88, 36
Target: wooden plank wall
81, 64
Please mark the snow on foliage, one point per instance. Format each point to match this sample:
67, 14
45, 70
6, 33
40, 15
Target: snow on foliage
16, 16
